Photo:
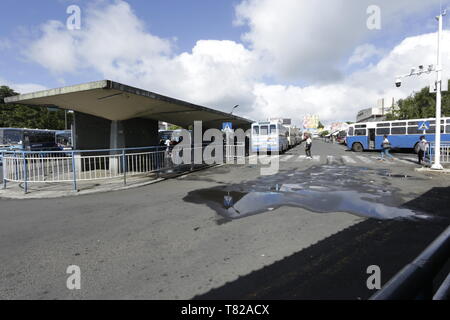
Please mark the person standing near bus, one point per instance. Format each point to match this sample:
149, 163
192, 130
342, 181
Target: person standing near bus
308, 146
386, 146
423, 148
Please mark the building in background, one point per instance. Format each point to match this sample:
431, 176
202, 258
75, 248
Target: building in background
283, 121
311, 124
377, 113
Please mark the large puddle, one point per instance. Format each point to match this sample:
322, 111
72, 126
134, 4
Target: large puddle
324, 189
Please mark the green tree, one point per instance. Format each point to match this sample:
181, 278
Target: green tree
20, 116
421, 104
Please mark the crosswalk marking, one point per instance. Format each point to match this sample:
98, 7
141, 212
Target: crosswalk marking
348, 159
364, 159
330, 159
286, 158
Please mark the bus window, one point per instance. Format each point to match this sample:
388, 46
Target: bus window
383, 131
414, 130
447, 128
398, 130
413, 123
264, 130
398, 124
11, 137
350, 131
380, 125
273, 129
256, 130
360, 132
360, 126
433, 122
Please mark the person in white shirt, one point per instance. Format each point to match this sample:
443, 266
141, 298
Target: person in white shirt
308, 146
386, 146
423, 148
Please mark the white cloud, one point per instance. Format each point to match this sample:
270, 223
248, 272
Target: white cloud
5, 44
362, 89
364, 52
22, 87
285, 40
310, 39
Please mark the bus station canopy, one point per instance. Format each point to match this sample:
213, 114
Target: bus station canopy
115, 101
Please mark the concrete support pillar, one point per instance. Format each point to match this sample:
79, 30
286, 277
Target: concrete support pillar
117, 141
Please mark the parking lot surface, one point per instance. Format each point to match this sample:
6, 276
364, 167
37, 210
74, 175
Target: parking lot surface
308, 232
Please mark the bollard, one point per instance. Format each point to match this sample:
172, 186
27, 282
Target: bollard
25, 174
4, 171
74, 173
124, 168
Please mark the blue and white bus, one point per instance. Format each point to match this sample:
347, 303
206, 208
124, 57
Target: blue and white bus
269, 136
402, 134
20, 139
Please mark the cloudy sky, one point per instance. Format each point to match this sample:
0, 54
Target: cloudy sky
275, 58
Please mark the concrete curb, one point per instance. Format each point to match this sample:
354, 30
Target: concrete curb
446, 171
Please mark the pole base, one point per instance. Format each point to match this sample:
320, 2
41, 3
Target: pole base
437, 167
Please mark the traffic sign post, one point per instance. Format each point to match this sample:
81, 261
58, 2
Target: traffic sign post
424, 125
227, 126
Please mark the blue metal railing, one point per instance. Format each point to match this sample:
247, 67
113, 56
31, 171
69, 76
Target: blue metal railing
445, 152
73, 166
415, 281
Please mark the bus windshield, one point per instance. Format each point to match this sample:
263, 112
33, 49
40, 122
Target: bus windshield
264, 130
10, 137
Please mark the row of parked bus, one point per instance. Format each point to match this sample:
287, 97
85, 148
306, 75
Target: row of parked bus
273, 136
20, 139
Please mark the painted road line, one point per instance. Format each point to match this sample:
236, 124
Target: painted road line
286, 158
364, 159
301, 158
316, 158
348, 159
330, 159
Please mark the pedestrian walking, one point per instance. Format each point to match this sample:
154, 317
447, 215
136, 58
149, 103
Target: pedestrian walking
308, 146
386, 146
423, 148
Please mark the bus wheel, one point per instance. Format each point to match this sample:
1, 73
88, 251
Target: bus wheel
357, 147
416, 148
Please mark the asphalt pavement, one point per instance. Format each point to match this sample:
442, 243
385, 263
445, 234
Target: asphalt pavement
174, 240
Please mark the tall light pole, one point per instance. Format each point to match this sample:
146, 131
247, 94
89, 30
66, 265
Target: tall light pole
438, 69
437, 161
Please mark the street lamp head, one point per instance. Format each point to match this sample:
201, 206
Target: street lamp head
234, 108
398, 82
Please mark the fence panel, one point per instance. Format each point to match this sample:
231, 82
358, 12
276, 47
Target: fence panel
91, 165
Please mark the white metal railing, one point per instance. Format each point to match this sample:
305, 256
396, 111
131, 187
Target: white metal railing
76, 166
445, 152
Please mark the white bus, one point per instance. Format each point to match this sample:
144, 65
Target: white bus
294, 136
269, 136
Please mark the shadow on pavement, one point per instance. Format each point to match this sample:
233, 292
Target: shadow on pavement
335, 268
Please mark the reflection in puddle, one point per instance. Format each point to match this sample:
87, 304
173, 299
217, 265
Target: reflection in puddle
318, 189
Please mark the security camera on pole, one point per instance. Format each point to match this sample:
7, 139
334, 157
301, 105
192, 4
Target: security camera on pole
439, 88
